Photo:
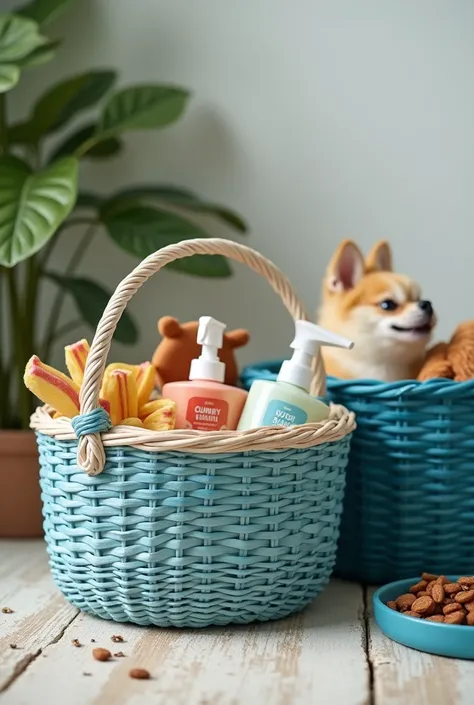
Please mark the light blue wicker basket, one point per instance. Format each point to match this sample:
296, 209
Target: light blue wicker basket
409, 500
188, 528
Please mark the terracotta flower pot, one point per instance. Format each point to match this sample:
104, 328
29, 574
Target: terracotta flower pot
20, 499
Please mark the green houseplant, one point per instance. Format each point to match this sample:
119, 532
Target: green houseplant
40, 200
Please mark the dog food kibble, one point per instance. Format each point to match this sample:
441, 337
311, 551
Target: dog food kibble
140, 673
438, 593
466, 581
101, 654
435, 599
462, 597
455, 618
404, 602
423, 605
415, 589
428, 577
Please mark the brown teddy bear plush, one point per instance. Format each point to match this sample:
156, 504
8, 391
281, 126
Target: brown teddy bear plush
173, 356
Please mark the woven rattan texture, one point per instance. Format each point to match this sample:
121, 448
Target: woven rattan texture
410, 493
175, 538
409, 501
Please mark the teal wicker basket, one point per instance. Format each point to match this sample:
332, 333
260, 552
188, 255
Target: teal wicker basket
410, 479
189, 528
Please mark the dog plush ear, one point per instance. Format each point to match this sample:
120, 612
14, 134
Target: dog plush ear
346, 267
379, 258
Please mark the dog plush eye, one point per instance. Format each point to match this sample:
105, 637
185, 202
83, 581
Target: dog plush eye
388, 305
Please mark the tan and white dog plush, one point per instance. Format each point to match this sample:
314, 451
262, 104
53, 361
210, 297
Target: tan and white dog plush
381, 311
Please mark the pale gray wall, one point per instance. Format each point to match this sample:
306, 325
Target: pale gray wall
316, 119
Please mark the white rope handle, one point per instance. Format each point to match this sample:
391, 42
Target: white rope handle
91, 456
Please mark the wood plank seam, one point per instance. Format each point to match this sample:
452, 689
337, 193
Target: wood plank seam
30, 658
367, 637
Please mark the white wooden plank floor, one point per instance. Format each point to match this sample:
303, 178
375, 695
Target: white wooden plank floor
330, 653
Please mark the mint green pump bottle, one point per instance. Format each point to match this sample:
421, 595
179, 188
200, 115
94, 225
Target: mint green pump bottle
287, 401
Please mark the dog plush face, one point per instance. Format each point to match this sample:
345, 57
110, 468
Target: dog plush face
383, 312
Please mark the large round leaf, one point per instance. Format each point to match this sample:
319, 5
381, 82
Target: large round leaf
106, 148
40, 55
141, 230
18, 37
33, 205
44, 11
61, 103
91, 299
141, 108
9, 77
182, 198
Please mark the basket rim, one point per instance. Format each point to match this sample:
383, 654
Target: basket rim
339, 424
439, 387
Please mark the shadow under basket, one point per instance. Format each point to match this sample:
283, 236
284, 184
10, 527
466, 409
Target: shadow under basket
190, 528
409, 500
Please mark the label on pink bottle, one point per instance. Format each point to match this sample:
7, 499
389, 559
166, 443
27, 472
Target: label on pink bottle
207, 414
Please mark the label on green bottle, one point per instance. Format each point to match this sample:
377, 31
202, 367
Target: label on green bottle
280, 413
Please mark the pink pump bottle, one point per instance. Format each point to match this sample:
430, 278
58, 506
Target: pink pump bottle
204, 403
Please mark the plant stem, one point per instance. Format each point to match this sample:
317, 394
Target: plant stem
31, 299
81, 249
51, 328
53, 241
19, 351
5, 274
87, 145
66, 328
5, 402
3, 124
3, 364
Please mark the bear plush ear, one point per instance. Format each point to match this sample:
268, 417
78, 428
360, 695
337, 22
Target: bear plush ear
169, 327
346, 267
379, 258
237, 338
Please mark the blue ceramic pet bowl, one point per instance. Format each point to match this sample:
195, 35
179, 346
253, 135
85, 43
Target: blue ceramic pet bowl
455, 640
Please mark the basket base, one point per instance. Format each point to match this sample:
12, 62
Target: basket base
192, 617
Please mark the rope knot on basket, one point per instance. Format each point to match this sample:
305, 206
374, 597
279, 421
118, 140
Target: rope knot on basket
95, 421
88, 427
